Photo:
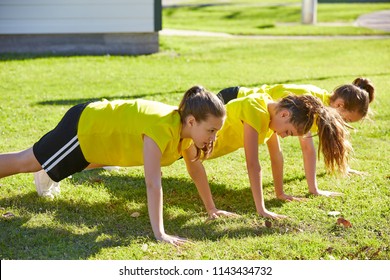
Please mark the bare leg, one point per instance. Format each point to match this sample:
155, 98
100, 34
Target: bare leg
18, 162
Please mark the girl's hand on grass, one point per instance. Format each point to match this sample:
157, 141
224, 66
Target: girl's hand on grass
287, 197
327, 193
272, 215
355, 172
216, 213
174, 240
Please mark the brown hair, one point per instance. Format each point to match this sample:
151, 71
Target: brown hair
356, 96
200, 103
332, 130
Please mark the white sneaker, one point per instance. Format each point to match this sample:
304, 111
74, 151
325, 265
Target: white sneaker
45, 185
111, 168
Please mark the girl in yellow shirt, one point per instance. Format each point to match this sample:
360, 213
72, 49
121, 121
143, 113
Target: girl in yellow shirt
253, 119
126, 133
350, 100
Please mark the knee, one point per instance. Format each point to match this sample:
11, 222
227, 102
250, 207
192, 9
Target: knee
27, 162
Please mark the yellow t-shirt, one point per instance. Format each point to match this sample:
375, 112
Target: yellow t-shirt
280, 91
111, 133
250, 109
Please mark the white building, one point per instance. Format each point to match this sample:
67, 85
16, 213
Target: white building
80, 26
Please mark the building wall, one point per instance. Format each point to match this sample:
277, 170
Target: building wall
80, 26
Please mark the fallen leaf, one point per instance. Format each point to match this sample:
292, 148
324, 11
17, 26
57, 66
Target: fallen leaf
135, 214
8, 215
95, 180
375, 254
329, 250
144, 247
344, 222
333, 213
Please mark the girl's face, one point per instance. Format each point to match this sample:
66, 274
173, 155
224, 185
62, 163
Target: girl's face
348, 116
280, 124
204, 132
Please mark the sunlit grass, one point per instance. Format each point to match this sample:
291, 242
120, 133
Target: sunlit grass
91, 219
269, 18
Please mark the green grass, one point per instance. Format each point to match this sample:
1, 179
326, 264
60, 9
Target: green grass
269, 18
91, 219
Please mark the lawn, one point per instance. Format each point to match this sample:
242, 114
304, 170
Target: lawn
92, 218
266, 17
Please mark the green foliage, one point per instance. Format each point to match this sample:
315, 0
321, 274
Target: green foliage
91, 219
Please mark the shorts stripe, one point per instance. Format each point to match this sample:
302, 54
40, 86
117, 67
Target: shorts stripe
60, 154
59, 151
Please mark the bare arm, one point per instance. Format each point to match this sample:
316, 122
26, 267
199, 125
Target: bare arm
152, 157
276, 156
254, 171
198, 174
309, 163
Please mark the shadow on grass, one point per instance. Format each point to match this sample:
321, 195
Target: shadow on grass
70, 102
314, 79
177, 191
31, 56
77, 229
101, 225
196, 6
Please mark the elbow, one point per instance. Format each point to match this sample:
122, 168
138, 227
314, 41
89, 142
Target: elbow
307, 146
195, 169
276, 158
253, 167
152, 185
191, 171
308, 151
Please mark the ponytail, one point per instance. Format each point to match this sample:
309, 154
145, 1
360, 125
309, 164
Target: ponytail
367, 85
333, 140
200, 103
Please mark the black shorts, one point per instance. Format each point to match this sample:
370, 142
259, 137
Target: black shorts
58, 151
228, 94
